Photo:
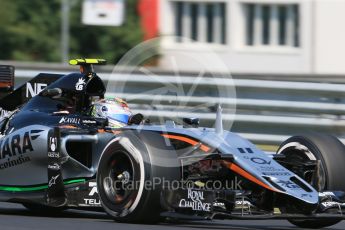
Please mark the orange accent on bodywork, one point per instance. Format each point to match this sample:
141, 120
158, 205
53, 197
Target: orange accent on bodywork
68, 127
116, 132
248, 176
187, 140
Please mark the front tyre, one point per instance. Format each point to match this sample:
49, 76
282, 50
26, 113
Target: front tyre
331, 154
131, 174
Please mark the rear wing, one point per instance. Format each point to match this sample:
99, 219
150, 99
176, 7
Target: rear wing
10, 98
6, 79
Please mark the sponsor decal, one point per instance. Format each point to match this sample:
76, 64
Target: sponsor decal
332, 204
288, 184
53, 147
243, 203
4, 113
14, 147
92, 202
94, 190
69, 120
11, 163
56, 192
33, 89
260, 161
54, 166
53, 144
195, 201
80, 84
265, 166
304, 195
241, 150
93, 194
52, 180
245, 150
327, 193
76, 120
271, 169
276, 173
89, 122
53, 155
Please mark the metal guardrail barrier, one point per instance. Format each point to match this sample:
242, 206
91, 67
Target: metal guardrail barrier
267, 111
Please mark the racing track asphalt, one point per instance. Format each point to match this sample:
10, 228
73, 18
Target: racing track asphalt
16, 217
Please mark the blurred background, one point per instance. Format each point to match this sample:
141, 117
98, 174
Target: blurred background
285, 56
45, 31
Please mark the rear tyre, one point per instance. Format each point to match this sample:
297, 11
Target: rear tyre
331, 154
131, 173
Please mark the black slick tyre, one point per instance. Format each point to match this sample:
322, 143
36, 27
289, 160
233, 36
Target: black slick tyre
330, 152
130, 176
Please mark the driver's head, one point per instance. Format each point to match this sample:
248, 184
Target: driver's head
115, 109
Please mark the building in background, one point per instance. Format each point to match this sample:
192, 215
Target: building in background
255, 36
149, 16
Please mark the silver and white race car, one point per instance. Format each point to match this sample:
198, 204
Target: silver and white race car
55, 155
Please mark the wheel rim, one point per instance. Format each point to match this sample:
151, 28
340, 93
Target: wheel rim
119, 184
300, 153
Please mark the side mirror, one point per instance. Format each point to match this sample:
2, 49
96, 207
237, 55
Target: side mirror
191, 122
136, 119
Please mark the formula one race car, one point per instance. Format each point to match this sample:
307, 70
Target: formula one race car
55, 154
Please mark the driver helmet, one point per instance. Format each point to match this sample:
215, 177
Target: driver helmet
115, 109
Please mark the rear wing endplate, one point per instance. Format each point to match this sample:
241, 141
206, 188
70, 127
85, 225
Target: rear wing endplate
6, 78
